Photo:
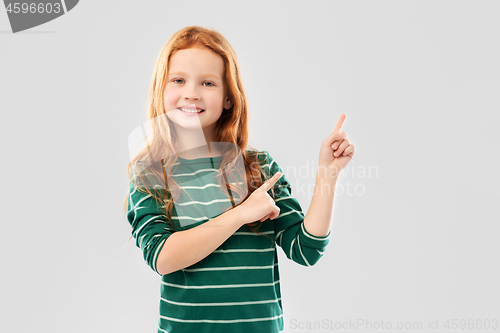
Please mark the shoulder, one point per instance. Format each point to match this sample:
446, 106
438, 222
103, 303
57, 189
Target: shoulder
260, 156
266, 161
264, 158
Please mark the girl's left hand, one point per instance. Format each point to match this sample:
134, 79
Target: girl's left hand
336, 151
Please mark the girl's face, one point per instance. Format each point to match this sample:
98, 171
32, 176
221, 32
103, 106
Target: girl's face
195, 79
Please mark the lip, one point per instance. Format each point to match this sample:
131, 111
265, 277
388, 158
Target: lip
191, 107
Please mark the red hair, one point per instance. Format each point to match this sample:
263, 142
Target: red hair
232, 127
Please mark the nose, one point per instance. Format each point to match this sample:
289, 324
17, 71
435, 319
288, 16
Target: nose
191, 92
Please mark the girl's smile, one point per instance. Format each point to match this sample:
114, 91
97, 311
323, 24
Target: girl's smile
191, 110
195, 82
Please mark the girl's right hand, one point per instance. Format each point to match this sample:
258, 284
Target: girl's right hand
260, 205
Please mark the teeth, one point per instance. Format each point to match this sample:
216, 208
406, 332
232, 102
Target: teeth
188, 110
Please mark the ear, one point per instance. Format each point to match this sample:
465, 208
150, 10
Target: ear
228, 103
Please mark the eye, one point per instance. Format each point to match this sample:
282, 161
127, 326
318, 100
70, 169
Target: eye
211, 84
177, 80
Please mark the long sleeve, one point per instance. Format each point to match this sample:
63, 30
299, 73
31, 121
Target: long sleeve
150, 226
291, 235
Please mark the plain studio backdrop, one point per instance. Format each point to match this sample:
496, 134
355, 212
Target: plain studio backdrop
415, 231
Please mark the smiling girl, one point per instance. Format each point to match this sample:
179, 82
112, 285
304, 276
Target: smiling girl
206, 210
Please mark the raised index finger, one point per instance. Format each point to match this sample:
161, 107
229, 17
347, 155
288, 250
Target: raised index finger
271, 181
340, 122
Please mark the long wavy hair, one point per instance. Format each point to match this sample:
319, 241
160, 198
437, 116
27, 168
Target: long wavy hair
148, 169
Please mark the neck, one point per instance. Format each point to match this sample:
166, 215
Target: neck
194, 143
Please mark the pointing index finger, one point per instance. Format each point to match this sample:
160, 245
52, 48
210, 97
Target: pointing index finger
271, 181
340, 122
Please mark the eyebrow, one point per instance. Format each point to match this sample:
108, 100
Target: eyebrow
184, 74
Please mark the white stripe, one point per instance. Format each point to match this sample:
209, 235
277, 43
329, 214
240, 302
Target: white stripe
147, 196
167, 332
140, 242
190, 218
200, 187
194, 173
320, 252
269, 165
227, 268
208, 185
291, 247
221, 285
283, 198
244, 250
302, 254
279, 241
288, 213
221, 303
146, 254
201, 202
310, 236
252, 233
221, 321
142, 226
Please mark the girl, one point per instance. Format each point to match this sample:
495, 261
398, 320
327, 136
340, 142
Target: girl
198, 200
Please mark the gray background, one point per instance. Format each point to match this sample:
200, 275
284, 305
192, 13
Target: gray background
418, 81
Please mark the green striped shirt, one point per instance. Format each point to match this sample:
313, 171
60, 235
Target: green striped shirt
236, 288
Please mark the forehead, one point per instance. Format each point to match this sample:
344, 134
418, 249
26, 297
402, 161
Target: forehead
195, 60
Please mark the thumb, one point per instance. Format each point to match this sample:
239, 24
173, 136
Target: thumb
334, 136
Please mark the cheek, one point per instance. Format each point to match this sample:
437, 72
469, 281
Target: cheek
170, 99
215, 99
